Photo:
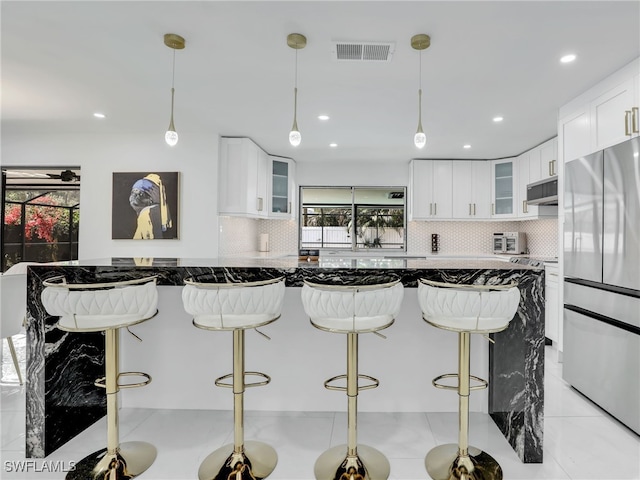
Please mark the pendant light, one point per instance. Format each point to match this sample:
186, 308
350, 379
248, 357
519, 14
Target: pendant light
175, 42
295, 41
420, 42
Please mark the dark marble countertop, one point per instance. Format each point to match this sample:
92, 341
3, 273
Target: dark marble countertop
291, 261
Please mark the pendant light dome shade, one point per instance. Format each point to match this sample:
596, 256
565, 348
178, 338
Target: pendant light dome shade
296, 41
175, 42
420, 42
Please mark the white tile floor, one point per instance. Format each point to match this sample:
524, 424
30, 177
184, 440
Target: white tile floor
581, 441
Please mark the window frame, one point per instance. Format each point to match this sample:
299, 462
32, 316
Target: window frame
357, 243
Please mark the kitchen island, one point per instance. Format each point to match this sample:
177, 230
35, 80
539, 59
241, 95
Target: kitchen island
183, 361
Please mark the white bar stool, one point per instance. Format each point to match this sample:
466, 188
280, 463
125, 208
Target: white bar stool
465, 309
236, 307
107, 307
352, 309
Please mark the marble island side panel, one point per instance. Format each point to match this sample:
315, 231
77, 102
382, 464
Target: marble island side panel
61, 367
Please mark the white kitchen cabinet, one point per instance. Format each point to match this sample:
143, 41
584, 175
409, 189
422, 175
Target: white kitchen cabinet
503, 180
548, 159
552, 303
614, 115
431, 189
543, 161
281, 187
574, 130
242, 183
524, 178
605, 115
471, 189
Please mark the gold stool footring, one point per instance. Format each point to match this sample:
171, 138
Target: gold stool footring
257, 461
444, 463
129, 461
369, 463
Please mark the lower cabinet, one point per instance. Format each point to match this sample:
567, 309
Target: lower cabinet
552, 306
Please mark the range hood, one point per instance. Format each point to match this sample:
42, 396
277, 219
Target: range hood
543, 192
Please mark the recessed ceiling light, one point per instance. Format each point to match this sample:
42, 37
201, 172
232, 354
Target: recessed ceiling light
568, 58
323, 117
333, 145
466, 146
497, 119
99, 115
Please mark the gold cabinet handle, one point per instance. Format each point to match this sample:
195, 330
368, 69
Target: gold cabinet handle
474, 208
289, 211
435, 209
431, 209
470, 210
627, 114
259, 204
634, 120
524, 207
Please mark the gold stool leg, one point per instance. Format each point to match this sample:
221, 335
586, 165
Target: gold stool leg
243, 460
12, 349
352, 461
118, 461
451, 461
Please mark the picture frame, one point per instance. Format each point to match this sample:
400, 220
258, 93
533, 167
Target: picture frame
145, 206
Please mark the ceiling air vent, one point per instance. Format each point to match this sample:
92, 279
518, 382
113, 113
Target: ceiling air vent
363, 51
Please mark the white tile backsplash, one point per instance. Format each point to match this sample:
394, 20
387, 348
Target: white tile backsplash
240, 235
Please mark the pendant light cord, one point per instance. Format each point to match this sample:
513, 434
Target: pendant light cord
173, 74
295, 92
173, 78
420, 92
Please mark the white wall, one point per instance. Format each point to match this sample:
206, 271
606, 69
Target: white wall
98, 156
392, 173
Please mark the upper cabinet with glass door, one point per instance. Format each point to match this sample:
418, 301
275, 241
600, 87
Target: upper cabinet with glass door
281, 187
502, 191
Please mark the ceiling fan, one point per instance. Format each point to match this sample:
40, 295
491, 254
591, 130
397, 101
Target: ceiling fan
65, 176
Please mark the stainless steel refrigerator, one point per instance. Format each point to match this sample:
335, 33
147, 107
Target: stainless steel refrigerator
602, 279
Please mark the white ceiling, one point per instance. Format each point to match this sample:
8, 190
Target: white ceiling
62, 61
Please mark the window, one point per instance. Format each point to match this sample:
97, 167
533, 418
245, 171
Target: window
40, 217
352, 218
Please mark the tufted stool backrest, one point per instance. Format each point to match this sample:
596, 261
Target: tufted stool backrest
100, 306
352, 308
468, 308
228, 306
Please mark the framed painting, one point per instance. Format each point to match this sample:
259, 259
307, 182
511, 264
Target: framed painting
144, 205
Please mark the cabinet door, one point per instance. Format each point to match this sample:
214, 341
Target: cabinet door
280, 187
576, 136
462, 198
551, 304
431, 185
471, 189
242, 187
481, 188
611, 116
523, 164
535, 172
262, 180
421, 195
548, 160
503, 200
442, 185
